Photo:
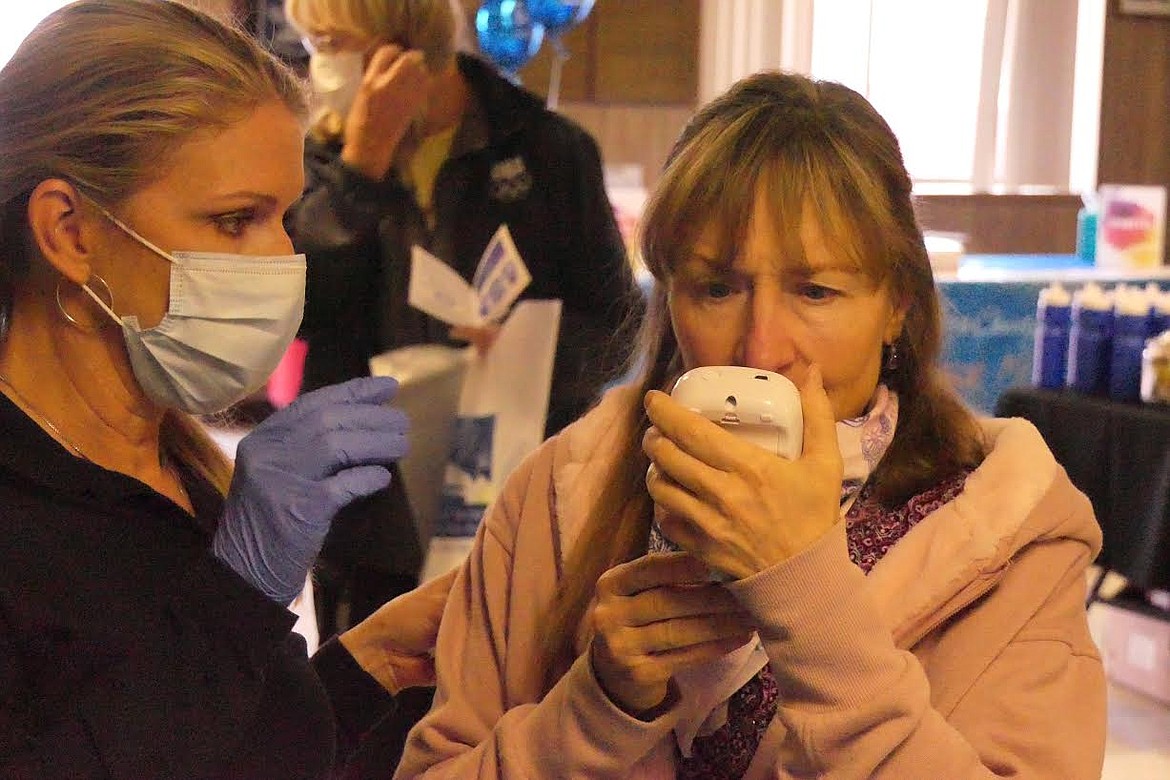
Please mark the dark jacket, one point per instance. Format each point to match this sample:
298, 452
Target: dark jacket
512, 161
128, 651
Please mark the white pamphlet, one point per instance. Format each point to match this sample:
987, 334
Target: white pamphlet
438, 289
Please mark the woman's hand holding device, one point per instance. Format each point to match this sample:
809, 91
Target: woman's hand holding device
664, 612
722, 496
654, 616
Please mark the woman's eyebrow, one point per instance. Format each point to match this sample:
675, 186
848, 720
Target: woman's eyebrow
700, 263
822, 264
265, 198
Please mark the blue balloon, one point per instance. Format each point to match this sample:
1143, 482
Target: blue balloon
557, 16
508, 35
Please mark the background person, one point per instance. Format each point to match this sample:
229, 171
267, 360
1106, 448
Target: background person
907, 596
420, 144
147, 156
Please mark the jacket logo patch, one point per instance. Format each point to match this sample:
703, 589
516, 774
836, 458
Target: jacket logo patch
510, 180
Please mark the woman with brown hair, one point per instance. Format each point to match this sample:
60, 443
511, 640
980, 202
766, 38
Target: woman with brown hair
904, 599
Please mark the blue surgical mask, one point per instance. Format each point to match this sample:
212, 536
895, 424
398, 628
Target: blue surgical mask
229, 320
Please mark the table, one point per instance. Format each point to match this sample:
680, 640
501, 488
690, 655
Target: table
989, 316
1119, 455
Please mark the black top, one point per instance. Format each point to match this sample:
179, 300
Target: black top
128, 651
512, 161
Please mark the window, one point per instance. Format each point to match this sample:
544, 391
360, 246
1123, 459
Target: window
919, 63
984, 95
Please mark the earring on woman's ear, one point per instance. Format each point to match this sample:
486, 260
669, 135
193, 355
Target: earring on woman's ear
890, 357
73, 320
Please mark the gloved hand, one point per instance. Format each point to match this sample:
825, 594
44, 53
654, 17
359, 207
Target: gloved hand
296, 469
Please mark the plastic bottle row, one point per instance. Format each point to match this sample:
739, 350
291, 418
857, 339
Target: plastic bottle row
1092, 339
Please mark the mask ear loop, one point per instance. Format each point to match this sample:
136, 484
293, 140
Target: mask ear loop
165, 255
107, 307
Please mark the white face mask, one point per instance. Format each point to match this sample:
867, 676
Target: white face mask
335, 77
229, 320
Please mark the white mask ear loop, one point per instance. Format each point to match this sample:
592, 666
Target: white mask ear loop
72, 320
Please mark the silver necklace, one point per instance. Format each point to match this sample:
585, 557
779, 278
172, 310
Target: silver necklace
47, 422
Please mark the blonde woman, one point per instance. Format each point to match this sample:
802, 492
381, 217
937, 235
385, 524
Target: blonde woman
416, 142
147, 155
905, 599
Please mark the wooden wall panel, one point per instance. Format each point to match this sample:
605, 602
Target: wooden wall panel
648, 51
1000, 224
631, 134
1135, 102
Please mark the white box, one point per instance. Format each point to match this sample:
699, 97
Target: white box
1136, 646
1131, 226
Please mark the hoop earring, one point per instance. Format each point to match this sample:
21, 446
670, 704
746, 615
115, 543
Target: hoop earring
69, 317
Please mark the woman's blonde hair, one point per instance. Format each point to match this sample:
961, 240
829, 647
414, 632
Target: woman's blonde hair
434, 27
437, 28
808, 147
100, 93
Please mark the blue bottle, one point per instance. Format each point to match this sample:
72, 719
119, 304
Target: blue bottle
1131, 328
1050, 348
1087, 232
1090, 340
1159, 309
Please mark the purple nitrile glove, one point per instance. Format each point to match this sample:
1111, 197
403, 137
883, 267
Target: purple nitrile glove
296, 470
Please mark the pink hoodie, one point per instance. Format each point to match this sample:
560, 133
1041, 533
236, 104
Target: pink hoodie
965, 653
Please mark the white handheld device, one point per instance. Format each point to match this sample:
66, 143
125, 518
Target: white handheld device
760, 406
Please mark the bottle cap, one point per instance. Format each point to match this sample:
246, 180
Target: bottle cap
1131, 301
1054, 295
1092, 296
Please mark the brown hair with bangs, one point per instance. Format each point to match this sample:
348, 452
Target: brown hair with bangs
810, 147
